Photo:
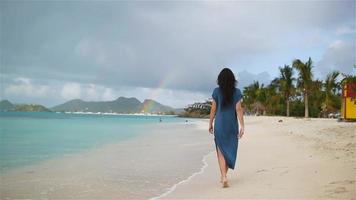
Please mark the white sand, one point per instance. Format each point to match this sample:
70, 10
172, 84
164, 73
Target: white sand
293, 159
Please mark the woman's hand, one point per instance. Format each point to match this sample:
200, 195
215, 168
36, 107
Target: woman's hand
212, 116
240, 117
242, 131
211, 128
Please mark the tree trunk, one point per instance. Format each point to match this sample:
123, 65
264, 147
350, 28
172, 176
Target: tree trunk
287, 107
306, 112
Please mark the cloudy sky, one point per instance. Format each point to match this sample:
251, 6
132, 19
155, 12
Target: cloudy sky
172, 52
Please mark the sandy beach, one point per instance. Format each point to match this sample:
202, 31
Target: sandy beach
290, 159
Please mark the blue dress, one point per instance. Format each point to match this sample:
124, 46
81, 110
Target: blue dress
226, 126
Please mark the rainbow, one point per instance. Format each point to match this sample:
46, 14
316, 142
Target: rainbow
148, 106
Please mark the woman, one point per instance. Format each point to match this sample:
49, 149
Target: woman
226, 108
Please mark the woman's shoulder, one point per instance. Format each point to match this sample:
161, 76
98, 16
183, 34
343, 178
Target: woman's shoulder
216, 90
216, 93
237, 90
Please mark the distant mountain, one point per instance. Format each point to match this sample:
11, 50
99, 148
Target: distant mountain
151, 106
120, 105
6, 105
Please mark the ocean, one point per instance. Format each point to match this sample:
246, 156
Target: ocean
29, 137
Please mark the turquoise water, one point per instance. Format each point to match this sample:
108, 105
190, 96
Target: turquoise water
26, 138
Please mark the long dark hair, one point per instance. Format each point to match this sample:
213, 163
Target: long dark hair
227, 83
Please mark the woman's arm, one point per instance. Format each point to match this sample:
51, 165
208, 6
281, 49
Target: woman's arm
240, 116
212, 116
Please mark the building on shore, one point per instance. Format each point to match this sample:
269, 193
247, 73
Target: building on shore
348, 103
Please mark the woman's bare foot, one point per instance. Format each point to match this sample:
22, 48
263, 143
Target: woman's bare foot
224, 182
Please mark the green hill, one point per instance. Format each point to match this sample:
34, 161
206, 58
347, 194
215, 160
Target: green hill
31, 108
151, 106
6, 105
120, 105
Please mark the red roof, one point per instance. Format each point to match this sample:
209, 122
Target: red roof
349, 90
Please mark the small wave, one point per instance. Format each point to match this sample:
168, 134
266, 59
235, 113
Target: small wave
171, 189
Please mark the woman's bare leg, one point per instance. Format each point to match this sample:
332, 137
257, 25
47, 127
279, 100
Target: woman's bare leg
223, 166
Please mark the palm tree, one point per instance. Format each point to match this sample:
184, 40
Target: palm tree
304, 80
250, 94
255, 94
348, 79
315, 100
331, 86
272, 97
286, 83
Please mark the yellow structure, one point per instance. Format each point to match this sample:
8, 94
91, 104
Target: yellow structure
348, 106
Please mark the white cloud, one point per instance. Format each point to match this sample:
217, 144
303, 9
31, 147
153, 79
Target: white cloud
108, 95
337, 44
51, 93
340, 55
181, 98
175, 98
343, 30
91, 91
24, 87
245, 78
71, 91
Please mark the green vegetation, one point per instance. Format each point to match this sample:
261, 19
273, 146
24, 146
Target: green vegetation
197, 110
6, 106
349, 79
289, 96
331, 102
304, 81
286, 84
31, 108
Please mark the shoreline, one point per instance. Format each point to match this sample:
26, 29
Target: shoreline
96, 113
173, 188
